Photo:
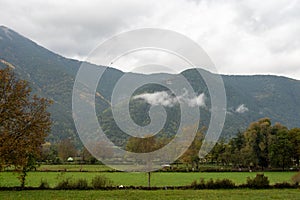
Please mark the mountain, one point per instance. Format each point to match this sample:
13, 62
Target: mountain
52, 76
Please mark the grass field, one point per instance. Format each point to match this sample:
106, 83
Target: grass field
47, 172
74, 167
140, 179
244, 194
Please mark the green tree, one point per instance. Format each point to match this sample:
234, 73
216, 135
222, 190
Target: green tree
281, 149
295, 140
226, 155
236, 144
24, 124
257, 139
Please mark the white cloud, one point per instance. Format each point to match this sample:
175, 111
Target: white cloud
240, 36
241, 109
164, 99
197, 101
158, 98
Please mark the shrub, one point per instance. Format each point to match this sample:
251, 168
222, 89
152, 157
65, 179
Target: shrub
44, 184
220, 184
259, 182
224, 184
211, 184
296, 179
201, 184
194, 184
80, 184
283, 185
99, 182
68, 183
64, 184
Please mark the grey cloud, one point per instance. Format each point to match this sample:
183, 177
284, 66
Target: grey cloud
240, 36
71, 28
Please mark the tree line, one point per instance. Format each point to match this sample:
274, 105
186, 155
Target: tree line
261, 145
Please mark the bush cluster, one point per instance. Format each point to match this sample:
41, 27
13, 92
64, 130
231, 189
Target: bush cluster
101, 182
211, 184
259, 182
98, 182
284, 185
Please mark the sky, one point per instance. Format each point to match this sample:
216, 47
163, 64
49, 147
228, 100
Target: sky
240, 36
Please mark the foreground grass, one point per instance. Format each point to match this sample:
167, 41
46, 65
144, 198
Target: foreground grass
139, 179
161, 194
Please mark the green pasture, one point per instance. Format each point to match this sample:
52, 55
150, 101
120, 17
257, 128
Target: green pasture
237, 194
74, 167
140, 179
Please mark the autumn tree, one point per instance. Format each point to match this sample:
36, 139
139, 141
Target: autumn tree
24, 123
191, 156
87, 156
144, 145
96, 149
66, 149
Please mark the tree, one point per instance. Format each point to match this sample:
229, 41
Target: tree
87, 156
142, 145
49, 153
190, 156
265, 145
237, 143
226, 155
24, 124
281, 148
218, 151
66, 149
257, 138
46, 149
295, 140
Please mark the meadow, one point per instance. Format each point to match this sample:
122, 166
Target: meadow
159, 179
237, 194
55, 173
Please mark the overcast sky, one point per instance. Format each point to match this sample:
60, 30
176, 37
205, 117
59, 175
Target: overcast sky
241, 37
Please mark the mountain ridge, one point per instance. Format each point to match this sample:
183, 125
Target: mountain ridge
52, 76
